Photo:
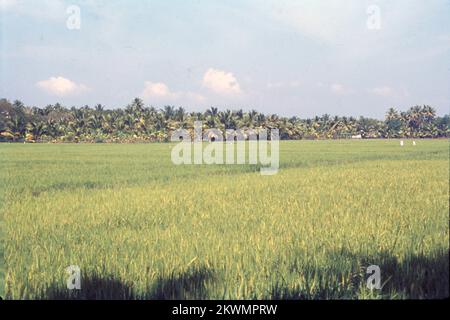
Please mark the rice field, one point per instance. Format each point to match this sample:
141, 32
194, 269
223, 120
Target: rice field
140, 227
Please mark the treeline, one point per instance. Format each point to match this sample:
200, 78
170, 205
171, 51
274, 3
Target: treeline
138, 123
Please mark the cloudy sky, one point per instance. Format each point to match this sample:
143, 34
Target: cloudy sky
304, 57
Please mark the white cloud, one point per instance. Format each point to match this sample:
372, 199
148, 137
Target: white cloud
195, 97
160, 91
221, 82
157, 89
61, 86
388, 92
382, 91
340, 89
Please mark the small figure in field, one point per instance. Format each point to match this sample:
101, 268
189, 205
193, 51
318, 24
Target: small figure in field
401, 143
414, 142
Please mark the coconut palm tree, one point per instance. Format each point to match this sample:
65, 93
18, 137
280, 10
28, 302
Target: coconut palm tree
135, 120
36, 129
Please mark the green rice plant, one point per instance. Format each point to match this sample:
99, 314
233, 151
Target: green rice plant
140, 227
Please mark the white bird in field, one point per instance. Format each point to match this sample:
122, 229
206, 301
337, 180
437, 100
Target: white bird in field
401, 143
414, 142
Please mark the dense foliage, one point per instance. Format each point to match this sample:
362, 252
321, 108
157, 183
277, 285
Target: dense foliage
138, 123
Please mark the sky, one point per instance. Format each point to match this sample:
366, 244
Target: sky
302, 58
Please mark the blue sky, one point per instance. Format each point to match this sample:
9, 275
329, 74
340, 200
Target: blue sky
299, 58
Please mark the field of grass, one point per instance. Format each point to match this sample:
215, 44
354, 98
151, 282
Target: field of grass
140, 227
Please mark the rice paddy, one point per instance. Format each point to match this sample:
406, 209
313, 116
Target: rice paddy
140, 227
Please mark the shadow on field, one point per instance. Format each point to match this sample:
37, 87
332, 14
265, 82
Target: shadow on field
188, 285
413, 277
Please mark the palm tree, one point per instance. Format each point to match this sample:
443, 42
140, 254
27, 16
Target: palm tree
168, 112
135, 120
393, 123
213, 112
37, 129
